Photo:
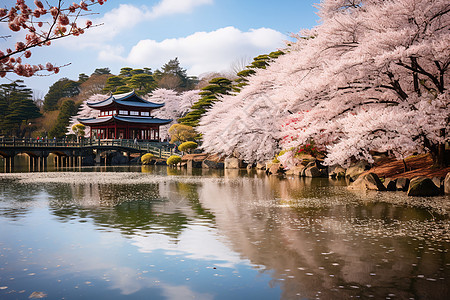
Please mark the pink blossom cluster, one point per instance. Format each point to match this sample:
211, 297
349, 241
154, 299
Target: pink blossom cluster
373, 76
40, 33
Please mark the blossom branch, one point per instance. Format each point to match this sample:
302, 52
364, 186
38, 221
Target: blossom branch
21, 16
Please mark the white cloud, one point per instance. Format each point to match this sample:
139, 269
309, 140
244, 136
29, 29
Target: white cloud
171, 7
126, 17
203, 51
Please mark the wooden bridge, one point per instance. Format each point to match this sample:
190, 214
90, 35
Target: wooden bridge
71, 153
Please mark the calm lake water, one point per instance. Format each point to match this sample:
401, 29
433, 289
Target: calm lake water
160, 233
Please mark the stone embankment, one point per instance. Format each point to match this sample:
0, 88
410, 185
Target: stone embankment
385, 174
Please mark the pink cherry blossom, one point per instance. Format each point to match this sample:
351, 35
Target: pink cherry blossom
370, 77
21, 16
39, 4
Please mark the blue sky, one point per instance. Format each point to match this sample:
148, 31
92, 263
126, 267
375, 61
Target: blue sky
205, 35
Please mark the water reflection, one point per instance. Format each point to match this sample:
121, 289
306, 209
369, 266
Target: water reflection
323, 242
137, 209
213, 234
16, 199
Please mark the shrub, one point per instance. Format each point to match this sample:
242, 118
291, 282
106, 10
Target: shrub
173, 160
181, 133
308, 149
146, 158
187, 146
79, 129
275, 159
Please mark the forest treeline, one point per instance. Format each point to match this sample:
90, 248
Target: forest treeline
23, 116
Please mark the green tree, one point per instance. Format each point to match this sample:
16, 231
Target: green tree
113, 83
68, 109
138, 71
142, 83
79, 130
259, 62
140, 80
17, 108
173, 68
173, 76
82, 78
148, 71
125, 72
101, 71
181, 133
217, 86
60, 89
123, 89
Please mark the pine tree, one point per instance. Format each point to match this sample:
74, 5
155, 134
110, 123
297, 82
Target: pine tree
209, 94
68, 109
16, 108
259, 62
60, 89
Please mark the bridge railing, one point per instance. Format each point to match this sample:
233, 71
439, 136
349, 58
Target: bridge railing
159, 150
37, 143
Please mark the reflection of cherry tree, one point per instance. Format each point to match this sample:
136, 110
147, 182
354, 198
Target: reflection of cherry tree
41, 31
86, 112
305, 244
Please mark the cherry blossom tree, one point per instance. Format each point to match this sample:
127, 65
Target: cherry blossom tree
372, 76
382, 83
247, 124
175, 106
85, 112
42, 24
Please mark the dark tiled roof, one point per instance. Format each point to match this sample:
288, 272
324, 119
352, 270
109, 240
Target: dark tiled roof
128, 99
125, 119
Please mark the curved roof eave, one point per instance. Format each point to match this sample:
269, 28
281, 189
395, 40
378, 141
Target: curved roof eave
135, 120
90, 121
121, 99
144, 120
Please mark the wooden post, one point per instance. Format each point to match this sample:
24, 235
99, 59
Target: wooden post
7, 163
30, 163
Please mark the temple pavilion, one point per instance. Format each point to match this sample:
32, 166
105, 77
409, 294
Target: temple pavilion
125, 116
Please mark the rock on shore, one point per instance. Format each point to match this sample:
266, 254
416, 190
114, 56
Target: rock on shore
367, 182
422, 186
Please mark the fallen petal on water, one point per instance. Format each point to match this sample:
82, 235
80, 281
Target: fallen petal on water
37, 295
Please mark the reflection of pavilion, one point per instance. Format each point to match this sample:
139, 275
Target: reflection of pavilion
309, 245
125, 116
135, 209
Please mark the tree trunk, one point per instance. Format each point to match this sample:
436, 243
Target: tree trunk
440, 159
438, 153
405, 166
